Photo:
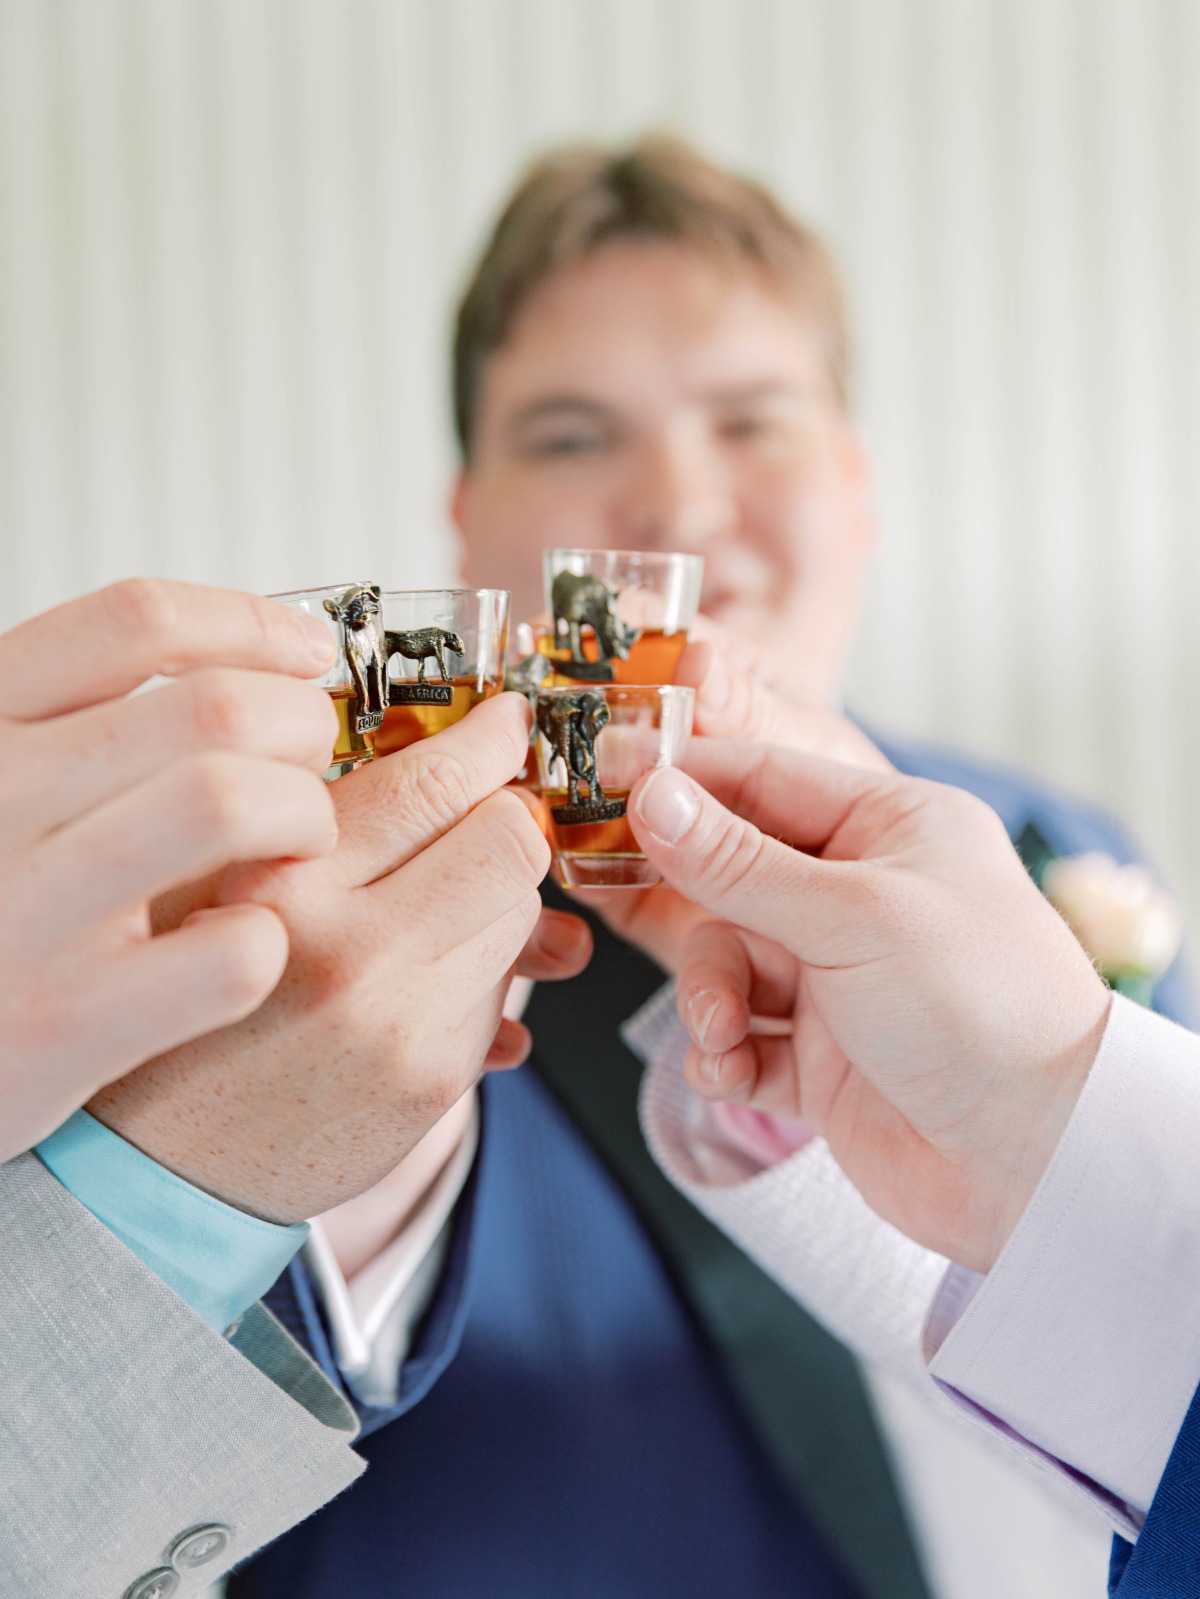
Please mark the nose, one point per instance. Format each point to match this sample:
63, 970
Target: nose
677, 497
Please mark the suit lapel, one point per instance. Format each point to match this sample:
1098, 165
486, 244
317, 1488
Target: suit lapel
799, 1389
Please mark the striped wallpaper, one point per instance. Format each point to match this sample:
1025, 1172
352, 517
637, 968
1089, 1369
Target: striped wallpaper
231, 230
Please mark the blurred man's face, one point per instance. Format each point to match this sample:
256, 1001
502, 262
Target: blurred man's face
647, 400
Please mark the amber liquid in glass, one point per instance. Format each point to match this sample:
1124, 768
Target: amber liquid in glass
407, 724
352, 746
596, 854
652, 659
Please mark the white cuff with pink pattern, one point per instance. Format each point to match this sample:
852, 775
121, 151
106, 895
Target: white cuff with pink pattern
799, 1217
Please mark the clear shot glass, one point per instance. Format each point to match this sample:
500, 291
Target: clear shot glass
618, 616
356, 682
594, 742
445, 653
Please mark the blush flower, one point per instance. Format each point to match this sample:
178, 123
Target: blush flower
1127, 924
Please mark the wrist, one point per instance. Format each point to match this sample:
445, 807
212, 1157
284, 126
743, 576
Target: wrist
1018, 1158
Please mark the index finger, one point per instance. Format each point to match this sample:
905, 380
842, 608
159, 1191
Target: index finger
108, 642
721, 860
397, 805
790, 794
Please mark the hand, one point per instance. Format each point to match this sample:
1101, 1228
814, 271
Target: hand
108, 801
732, 702
401, 947
932, 1016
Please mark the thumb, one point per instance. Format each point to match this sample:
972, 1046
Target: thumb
725, 863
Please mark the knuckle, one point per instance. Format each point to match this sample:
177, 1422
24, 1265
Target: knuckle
216, 798
733, 853
960, 814
515, 841
145, 608
440, 784
221, 711
251, 953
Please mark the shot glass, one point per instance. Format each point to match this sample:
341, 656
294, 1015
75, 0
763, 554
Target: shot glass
526, 672
356, 682
445, 652
618, 616
594, 742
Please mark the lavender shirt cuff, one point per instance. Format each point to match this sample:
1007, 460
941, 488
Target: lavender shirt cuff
1083, 1341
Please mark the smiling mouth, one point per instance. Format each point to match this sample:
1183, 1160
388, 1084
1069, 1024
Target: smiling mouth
720, 602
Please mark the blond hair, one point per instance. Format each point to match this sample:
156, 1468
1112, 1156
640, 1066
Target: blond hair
577, 199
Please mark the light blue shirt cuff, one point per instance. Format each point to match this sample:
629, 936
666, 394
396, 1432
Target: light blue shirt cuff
218, 1259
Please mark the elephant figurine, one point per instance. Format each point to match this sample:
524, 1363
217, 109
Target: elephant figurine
570, 724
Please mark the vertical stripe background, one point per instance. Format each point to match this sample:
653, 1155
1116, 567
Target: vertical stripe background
231, 232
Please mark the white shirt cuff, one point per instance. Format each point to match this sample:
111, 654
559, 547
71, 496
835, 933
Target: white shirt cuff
1084, 1339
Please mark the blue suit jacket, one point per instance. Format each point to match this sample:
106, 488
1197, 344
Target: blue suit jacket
1166, 1562
565, 1424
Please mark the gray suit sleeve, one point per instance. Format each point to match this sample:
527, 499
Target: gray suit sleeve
138, 1448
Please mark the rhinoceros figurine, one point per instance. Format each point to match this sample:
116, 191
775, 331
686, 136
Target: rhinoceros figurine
579, 598
528, 675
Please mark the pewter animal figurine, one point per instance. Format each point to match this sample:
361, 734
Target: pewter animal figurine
577, 598
570, 723
361, 615
528, 675
422, 643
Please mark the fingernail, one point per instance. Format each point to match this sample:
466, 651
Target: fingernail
702, 1007
318, 640
717, 685
710, 1068
668, 804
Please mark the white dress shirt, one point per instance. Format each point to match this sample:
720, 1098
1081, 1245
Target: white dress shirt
374, 1314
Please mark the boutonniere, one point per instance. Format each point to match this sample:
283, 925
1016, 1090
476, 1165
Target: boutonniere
1129, 926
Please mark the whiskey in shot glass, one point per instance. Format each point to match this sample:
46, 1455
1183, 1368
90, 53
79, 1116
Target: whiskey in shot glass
618, 616
594, 742
445, 654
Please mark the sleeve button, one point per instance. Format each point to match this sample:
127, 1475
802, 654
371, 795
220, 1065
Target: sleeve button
160, 1584
198, 1546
